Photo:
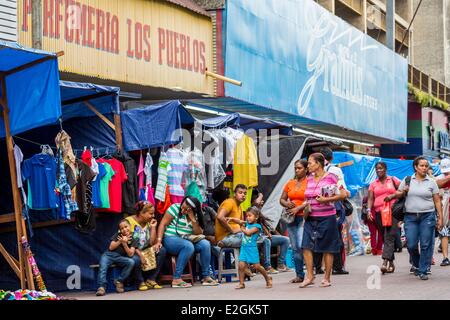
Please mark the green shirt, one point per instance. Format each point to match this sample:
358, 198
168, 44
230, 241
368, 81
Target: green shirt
104, 185
178, 226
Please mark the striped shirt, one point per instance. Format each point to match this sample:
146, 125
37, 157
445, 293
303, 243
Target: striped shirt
178, 226
178, 165
314, 189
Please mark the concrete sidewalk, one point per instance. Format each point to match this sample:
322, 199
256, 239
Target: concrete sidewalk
400, 285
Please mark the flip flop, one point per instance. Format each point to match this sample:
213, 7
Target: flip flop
297, 280
182, 285
325, 284
240, 286
306, 283
210, 282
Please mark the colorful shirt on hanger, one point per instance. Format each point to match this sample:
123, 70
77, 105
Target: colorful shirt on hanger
40, 171
130, 192
163, 168
115, 187
96, 193
104, 185
178, 165
67, 204
84, 187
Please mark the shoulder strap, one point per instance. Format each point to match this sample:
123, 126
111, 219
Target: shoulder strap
407, 181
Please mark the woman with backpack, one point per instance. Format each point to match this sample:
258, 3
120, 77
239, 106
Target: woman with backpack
381, 188
421, 204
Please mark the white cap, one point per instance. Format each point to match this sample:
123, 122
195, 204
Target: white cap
445, 165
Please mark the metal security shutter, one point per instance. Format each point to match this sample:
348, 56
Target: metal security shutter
8, 20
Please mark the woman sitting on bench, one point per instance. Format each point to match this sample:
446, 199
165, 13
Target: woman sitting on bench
181, 231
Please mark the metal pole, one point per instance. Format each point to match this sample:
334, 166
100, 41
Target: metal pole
36, 16
390, 24
409, 27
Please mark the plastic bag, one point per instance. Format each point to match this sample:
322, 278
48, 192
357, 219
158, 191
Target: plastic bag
386, 215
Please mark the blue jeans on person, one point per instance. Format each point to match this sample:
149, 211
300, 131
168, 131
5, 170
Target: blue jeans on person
275, 241
109, 258
184, 249
419, 228
151, 274
295, 231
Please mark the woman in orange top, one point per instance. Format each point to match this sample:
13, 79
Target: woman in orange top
293, 199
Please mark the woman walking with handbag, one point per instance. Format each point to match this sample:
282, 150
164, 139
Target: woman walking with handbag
181, 231
293, 202
381, 188
320, 230
422, 203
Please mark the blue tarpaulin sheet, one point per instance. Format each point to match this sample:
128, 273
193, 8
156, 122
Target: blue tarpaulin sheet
103, 98
32, 93
154, 126
362, 172
246, 122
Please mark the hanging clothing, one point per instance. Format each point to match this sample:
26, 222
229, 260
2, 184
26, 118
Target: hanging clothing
196, 172
148, 169
245, 163
84, 187
86, 157
40, 172
163, 168
18, 156
96, 193
162, 206
177, 161
115, 187
130, 183
62, 141
94, 168
140, 172
104, 185
67, 205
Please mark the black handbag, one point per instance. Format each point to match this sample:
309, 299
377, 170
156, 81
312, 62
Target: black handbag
348, 207
398, 209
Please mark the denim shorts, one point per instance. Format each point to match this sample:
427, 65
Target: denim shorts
321, 235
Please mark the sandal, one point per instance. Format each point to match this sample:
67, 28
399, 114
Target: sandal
297, 280
182, 284
307, 283
240, 286
143, 287
151, 284
209, 282
325, 283
269, 283
391, 267
100, 292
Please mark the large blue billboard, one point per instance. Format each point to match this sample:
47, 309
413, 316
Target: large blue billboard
295, 56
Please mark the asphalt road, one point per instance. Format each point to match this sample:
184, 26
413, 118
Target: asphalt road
363, 282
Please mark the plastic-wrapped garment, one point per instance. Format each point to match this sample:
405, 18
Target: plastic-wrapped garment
163, 168
178, 165
355, 230
213, 156
196, 172
148, 169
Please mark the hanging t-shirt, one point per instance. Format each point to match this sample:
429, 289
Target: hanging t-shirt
104, 185
18, 155
115, 187
163, 168
178, 165
40, 171
96, 194
84, 187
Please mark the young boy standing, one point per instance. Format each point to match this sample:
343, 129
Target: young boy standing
120, 252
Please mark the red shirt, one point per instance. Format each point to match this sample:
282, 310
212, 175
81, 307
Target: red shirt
382, 190
115, 186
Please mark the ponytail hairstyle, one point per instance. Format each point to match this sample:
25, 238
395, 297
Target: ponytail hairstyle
196, 206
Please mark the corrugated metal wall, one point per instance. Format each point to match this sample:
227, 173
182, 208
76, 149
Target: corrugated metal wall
8, 20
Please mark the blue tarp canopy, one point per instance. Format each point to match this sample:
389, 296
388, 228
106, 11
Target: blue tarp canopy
32, 87
154, 125
246, 122
73, 94
362, 172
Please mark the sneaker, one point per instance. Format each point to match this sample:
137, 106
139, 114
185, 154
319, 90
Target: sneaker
119, 286
423, 277
413, 270
429, 271
271, 270
445, 262
100, 292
